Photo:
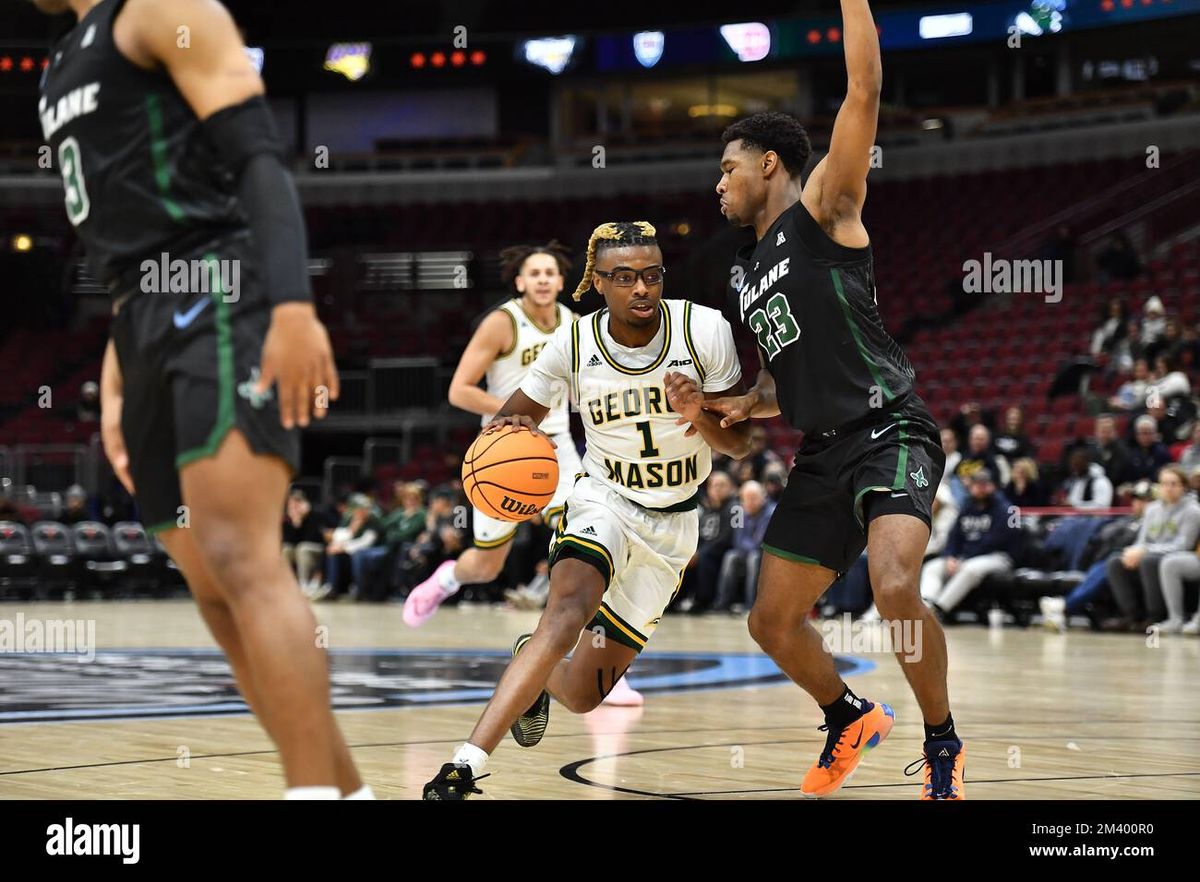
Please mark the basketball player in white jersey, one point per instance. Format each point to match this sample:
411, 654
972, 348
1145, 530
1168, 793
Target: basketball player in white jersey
503, 348
639, 371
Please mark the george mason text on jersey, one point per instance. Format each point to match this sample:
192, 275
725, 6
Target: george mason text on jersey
76, 103
628, 403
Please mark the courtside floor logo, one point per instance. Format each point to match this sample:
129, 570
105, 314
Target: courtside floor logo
149, 683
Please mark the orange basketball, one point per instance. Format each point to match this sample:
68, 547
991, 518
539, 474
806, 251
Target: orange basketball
510, 474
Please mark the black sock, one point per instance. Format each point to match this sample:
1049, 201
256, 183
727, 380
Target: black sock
848, 708
943, 732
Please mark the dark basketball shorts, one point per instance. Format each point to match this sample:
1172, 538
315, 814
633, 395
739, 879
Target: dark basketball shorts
838, 484
189, 362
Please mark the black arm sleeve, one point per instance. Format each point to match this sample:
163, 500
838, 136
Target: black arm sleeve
246, 139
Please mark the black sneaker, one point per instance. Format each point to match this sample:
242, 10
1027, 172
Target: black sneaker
529, 728
452, 782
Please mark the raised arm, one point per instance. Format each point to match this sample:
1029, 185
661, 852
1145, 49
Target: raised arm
493, 337
837, 188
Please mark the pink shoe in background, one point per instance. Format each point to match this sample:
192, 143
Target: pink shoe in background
423, 601
624, 695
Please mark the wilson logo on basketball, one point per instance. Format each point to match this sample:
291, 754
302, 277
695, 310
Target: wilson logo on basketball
515, 506
540, 476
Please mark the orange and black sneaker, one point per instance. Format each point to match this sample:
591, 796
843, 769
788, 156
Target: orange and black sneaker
454, 781
944, 762
844, 748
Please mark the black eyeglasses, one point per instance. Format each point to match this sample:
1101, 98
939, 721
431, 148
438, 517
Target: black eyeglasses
625, 277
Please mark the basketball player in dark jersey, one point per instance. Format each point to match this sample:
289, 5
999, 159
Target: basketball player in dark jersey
174, 182
871, 458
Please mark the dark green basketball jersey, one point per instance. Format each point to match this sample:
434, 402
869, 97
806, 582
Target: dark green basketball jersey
810, 303
140, 176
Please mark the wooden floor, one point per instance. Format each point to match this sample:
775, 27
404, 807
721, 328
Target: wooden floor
1076, 716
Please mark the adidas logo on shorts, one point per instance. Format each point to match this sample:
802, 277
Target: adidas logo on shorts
590, 531
594, 361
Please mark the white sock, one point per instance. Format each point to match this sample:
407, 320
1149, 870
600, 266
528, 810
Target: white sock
448, 581
470, 755
312, 793
364, 792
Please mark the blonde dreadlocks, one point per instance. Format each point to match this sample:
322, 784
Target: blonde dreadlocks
613, 234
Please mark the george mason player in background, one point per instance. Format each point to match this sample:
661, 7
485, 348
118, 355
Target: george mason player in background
502, 350
639, 371
871, 459
167, 147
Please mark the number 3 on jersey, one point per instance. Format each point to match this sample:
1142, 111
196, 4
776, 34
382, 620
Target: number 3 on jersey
77, 201
774, 325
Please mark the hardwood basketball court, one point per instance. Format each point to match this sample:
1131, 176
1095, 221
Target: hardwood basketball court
1075, 716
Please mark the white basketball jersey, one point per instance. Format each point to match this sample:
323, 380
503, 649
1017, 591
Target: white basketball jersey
509, 368
633, 443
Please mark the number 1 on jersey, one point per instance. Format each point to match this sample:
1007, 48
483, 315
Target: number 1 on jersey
648, 448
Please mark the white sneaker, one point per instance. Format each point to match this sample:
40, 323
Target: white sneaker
624, 695
1192, 627
321, 592
1054, 612
871, 615
1169, 626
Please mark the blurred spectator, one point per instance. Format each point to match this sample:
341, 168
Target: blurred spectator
1168, 380
88, 408
1127, 349
1086, 486
76, 509
1132, 393
1108, 450
979, 546
743, 471
1174, 569
1106, 545
1025, 489
979, 455
1061, 247
1190, 355
360, 529
1171, 524
1148, 454
968, 417
760, 455
774, 481
1190, 457
1112, 329
1118, 259
738, 580
1012, 443
1171, 346
1154, 324
716, 537
1169, 418
303, 543
373, 566
953, 458
441, 539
